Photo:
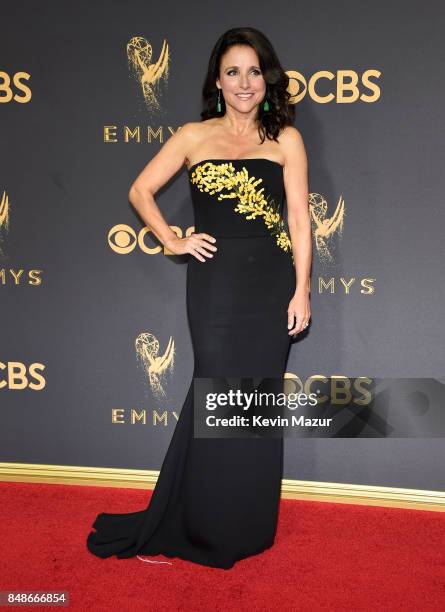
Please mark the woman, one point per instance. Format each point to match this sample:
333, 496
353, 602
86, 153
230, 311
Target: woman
248, 282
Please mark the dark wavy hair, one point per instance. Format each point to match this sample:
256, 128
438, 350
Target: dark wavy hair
281, 113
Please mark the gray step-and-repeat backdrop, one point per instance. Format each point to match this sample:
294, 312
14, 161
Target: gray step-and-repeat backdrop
95, 350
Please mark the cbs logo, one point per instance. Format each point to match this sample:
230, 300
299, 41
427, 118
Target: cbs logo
8, 87
122, 239
339, 389
347, 85
15, 376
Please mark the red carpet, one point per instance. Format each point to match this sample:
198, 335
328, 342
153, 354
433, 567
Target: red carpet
326, 557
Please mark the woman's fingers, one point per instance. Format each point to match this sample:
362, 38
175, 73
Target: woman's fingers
202, 244
196, 254
202, 250
206, 237
296, 323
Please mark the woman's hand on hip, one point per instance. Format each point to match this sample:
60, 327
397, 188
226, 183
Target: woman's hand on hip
195, 244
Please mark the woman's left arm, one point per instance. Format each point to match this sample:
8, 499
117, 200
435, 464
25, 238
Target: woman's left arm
299, 223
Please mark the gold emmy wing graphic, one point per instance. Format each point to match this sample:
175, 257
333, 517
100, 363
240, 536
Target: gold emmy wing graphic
146, 73
155, 365
325, 228
4, 218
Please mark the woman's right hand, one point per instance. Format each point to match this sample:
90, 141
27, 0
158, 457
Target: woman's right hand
195, 244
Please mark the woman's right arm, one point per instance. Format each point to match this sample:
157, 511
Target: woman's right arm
159, 170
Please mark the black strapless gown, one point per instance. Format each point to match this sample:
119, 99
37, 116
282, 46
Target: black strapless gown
216, 500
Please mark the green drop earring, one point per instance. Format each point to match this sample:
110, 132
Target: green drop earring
218, 106
266, 106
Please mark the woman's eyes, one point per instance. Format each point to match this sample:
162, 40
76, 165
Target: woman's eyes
255, 71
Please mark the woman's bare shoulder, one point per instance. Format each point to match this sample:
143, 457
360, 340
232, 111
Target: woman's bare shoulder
186, 136
289, 136
198, 128
197, 133
292, 146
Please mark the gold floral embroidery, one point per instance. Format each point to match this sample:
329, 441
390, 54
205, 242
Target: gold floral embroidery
214, 178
